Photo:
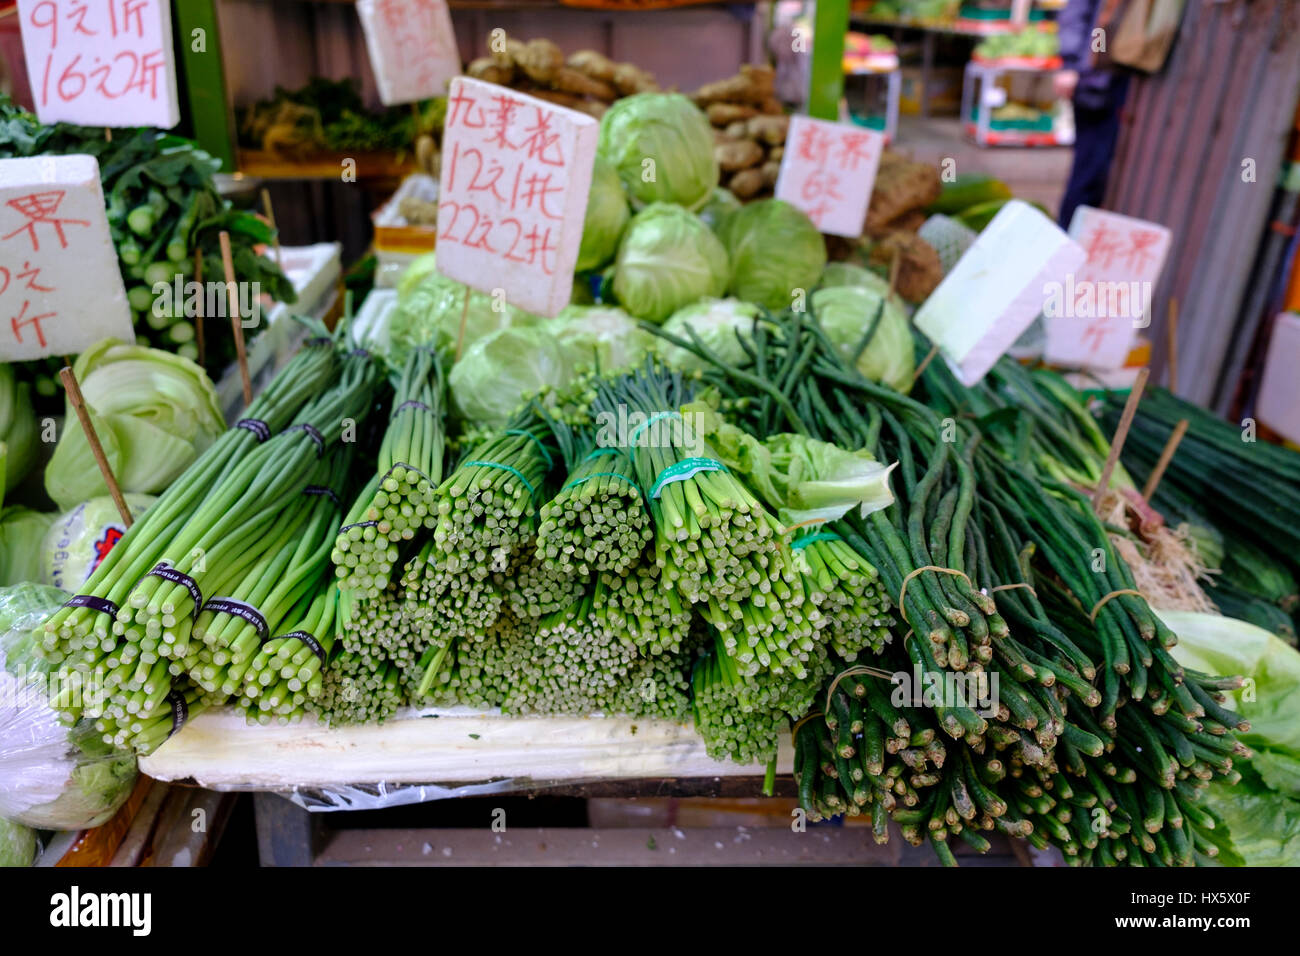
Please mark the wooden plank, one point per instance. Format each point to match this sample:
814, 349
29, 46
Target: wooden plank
195, 831
264, 165
96, 847
136, 843
286, 833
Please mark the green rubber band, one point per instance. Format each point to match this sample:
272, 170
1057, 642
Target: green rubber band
631, 439
686, 468
496, 464
611, 474
542, 448
813, 539
603, 451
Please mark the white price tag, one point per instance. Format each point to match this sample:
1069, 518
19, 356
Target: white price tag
828, 171
412, 47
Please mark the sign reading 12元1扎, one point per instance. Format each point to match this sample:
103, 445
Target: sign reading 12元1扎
513, 193
60, 288
104, 63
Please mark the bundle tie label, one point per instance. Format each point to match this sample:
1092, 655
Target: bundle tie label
310, 641
359, 353
601, 474
808, 539
94, 603
180, 711
258, 427
239, 609
165, 571
684, 469
657, 416
321, 490
603, 451
317, 438
496, 464
359, 524
412, 403
536, 441
319, 340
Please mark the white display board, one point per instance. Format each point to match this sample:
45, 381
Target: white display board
412, 47
106, 63
60, 288
513, 194
828, 170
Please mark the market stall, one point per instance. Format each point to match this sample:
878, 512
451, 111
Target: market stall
665, 443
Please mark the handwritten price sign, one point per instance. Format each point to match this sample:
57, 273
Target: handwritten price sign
1093, 320
412, 47
60, 289
101, 63
513, 194
827, 171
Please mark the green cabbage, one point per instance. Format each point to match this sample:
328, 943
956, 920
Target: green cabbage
720, 203
429, 313
662, 147
774, 249
599, 337
17, 429
846, 314
17, 844
21, 532
154, 413
498, 372
668, 258
846, 273
417, 272
607, 214
719, 324
74, 543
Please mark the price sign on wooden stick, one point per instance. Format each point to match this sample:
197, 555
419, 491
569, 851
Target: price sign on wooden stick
107, 63
828, 170
412, 47
513, 193
60, 287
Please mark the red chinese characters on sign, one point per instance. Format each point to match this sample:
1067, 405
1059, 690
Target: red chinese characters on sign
1093, 321
412, 47
104, 63
513, 194
828, 172
60, 289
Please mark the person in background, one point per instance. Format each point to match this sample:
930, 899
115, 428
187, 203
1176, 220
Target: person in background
1097, 92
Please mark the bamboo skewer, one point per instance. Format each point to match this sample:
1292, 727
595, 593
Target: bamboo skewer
1121, 434
1166, 455
92, 438
236, 324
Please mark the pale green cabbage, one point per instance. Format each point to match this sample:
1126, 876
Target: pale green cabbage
775, 250
21, 533
668, 258
17, 844
720, 324
154, 412
846, 314
17, 429
607, 215
661, 144
599, 337
497, 373
846, 273
721, 202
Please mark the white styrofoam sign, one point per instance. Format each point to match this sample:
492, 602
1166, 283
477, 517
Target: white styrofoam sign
1278, 405
995, 291
60, 288
1092, 318
513, 193
412, 47
828, 170
108, 63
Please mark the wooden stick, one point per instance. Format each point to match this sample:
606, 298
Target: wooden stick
464, 314
1121, 434
894, 265
198, 317
232, 299
96, 449
275, 232
925, 363
1158, 472
1171, 330
108, 134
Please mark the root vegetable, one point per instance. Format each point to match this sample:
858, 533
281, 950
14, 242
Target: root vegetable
738, 154
747, 183
768, 129
724, 114
593, 64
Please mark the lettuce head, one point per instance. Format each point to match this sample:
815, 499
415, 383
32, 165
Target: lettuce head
668, 258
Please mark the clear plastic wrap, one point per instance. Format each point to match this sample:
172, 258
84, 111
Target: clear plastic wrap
52, 776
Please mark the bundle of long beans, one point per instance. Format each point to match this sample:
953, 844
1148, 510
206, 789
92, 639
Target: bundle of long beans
400, 500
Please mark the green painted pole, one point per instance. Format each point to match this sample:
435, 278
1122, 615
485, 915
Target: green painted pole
826, 86
198, 42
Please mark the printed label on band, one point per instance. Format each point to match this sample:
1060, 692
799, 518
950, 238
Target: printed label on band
310, 641
321, 490
180, 711
259, 428
312, 433
684, 469
412, 403
359, 524
319, 340
94, 603
165, 571
239, 609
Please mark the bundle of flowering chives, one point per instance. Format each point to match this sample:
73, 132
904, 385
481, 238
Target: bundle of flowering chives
441, 596
654, 617
598, 519
287, 669
657, 687
380, 628
84, 634
847, 590
356, 689
400, 500
487, 505
712, 536
143, 731
535, 589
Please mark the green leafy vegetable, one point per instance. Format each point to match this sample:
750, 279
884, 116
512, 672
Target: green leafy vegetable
668, 258
17, 427
21, 533
721, 201
607, 215
721, 324
662, 146
883, 345
498, 372
17, 844
774, 250
599, 337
